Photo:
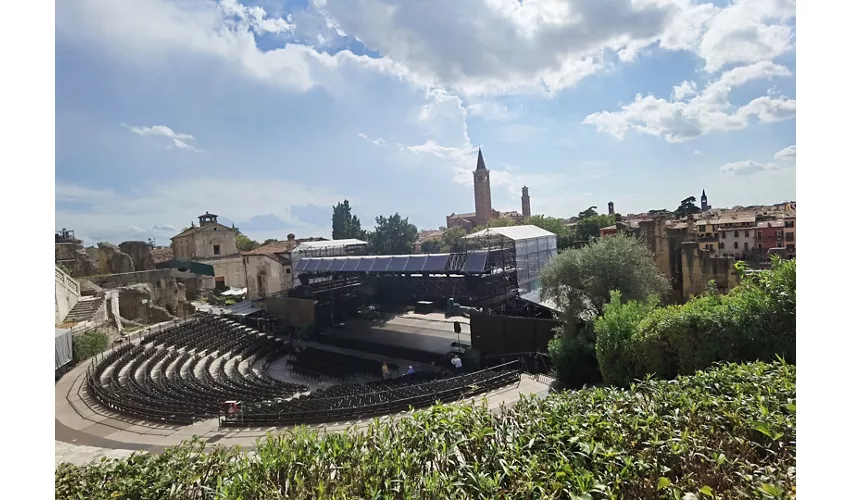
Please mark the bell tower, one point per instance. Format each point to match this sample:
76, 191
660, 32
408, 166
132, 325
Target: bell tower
483, 204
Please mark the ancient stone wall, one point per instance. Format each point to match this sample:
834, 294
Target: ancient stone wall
141, 254
112, 260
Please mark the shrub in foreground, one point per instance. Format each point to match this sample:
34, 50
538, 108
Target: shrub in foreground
88, 344
729, 432
755, 321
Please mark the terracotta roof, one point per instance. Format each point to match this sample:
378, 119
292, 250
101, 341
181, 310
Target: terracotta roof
609, 228
162, 254
274, 247
192, 229
462, 216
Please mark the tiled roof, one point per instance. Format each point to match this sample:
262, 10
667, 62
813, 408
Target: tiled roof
273, 248
462, 216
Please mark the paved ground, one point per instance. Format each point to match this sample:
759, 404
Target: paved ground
86, 431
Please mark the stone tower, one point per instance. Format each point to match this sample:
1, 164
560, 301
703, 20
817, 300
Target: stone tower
703, 201
483, 204
526, 203
611, 208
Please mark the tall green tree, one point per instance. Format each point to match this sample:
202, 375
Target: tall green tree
430, 246
580, 282
687, 207
345, 225
392, 235
590, 212
588, 226
452, 239
244, 243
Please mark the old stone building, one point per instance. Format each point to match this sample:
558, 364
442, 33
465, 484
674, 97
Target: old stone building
215, 244
484, 212
679, 256
268, 269
72, 256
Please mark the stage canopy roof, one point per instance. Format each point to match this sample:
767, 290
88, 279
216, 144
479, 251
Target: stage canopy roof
514, 232
476, 262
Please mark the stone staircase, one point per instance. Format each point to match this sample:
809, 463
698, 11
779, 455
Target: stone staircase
84, 310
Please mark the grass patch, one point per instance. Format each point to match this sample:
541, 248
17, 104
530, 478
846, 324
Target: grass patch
728, 432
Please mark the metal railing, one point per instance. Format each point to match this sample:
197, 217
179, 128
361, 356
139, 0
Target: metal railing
465, 385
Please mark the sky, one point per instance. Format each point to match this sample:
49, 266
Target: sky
268, 113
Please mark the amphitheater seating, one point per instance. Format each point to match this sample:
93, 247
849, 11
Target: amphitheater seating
341, 402
184, 373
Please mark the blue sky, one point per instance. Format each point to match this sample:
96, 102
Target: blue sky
268, 113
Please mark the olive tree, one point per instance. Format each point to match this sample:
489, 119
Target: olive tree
580, 282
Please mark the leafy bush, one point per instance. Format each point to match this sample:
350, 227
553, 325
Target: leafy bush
756, 321
574, 357
729, 432
88, 344
614, 331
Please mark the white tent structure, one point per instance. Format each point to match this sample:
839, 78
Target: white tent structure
534, 247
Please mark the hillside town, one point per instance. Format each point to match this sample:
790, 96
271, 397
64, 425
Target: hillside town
693, 245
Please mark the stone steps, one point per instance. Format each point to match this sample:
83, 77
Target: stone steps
84, 310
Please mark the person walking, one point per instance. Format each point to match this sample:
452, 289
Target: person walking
385, 371
410, 370
458, 364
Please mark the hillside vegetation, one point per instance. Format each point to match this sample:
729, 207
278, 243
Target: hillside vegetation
728, 432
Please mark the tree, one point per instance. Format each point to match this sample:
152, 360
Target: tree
687, 207
244, 243
662, 211
392, 235
430, 246
580, 282
270, 240
588, 227
345, 225
566, 234
453, 239
590, 212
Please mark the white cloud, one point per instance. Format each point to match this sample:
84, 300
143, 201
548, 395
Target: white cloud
747, 167
177, 139
787, 153
746, 32
111, 215
377, 142
698, 152
474, 47
787, 158
255, 17
709, 111
182, 145
157, 130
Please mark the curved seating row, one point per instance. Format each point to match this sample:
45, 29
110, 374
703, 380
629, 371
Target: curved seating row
185, 373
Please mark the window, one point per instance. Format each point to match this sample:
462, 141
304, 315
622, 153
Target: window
789, 223
759, 236
723, 235
216, 250
736, 235
721, 244
789, 237
759, 246
736, 245
288, 270
746, 246
746, 234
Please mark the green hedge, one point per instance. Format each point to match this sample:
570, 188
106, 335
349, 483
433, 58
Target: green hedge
729, 432
89, 344
755, 321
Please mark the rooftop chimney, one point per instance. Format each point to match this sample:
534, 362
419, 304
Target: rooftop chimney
290, 237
